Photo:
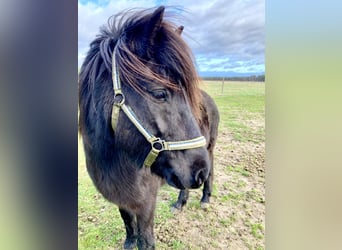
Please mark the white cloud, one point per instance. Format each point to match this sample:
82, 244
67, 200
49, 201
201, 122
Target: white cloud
219, 32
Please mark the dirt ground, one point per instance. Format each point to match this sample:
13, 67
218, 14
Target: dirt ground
235, 218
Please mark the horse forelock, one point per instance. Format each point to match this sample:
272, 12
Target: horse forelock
134, 70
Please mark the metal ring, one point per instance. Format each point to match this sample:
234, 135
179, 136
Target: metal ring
119, 99
158, 145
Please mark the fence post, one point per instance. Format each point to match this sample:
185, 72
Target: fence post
222, 85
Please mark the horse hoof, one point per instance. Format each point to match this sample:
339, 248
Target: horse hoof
205, 205
176, 208
130, 243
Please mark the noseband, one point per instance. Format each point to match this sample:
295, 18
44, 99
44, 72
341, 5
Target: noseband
157, 144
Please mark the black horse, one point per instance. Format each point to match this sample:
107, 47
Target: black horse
143, 118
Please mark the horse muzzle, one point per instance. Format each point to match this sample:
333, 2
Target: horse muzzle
184, 174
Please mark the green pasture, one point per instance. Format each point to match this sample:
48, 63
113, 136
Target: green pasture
240, 104
99, 223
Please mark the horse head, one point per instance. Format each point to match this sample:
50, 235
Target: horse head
160, 86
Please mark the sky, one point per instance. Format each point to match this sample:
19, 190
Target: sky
227, 37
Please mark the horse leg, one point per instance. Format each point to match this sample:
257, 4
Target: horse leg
182, 199
145, 220
208, 184
131, 229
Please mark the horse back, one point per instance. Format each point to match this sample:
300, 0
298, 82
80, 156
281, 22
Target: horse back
210, 118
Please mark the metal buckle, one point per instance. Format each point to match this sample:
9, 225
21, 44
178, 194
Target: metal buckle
158, 145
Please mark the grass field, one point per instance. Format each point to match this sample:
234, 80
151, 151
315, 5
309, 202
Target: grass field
236, 216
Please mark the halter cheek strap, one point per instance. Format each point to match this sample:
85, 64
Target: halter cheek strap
157, 144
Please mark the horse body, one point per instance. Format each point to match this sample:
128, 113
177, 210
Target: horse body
160, 85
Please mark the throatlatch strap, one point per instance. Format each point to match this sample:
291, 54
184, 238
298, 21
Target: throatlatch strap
115, 116
117, 92
151, 158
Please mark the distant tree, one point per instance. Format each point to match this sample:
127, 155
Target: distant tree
251, 78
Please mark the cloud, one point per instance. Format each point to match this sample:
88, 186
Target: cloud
223, 35
230, 30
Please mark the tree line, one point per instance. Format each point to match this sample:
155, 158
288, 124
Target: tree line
253, 78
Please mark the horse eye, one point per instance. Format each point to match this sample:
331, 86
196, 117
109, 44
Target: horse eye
159, 94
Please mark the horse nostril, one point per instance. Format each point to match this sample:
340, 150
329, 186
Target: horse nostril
200, 177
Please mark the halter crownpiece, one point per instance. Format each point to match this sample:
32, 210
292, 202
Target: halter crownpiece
157, 144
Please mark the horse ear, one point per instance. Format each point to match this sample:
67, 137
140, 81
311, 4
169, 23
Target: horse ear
179, 30
155, 21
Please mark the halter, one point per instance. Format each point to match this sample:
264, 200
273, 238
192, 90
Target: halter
157, 144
